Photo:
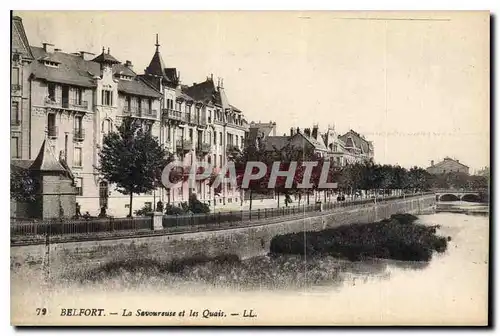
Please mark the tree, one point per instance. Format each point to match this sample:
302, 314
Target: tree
22, 185
132, 159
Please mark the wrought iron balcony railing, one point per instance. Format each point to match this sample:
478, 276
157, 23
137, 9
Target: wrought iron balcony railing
172, 114
79, 134
185, 145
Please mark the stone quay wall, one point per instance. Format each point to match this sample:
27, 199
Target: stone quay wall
243, 241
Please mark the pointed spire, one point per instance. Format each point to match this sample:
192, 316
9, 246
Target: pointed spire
46, 160
157, 44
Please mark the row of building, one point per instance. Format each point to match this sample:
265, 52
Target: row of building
67, 102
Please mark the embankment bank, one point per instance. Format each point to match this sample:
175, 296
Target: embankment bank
244, 242
397, 238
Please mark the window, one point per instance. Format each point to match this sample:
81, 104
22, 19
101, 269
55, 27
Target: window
170, 104
179, 105
77, 96
220, 161
190, 134
52, 91
51, 125
15, 151
220, 138
215, 137
15, 76
128, 103
106, 126
107, 97
215, 160
79, 186
77, 158
14, 113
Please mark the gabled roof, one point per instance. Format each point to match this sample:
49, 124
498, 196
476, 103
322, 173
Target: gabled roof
19, 40
74, 70
353, 139
319, 145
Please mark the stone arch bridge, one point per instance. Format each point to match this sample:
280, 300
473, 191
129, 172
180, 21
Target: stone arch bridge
458, 195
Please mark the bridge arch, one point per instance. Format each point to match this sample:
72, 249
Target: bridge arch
449, 198
471, 198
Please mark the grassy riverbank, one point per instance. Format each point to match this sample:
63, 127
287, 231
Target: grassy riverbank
397, 238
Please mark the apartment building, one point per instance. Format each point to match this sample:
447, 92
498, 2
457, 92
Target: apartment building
72, 100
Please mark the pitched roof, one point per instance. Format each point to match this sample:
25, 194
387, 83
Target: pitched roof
319, 145
204, 92
106, 58
74, 70
46, 160
19, 40
354, 139
447, 159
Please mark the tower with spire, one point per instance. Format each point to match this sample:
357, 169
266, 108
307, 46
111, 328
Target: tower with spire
158, 74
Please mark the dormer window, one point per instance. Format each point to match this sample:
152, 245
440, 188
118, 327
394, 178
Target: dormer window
125, 77
51, 64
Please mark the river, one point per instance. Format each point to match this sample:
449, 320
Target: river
451, 289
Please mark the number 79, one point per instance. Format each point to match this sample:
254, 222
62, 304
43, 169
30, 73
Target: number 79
41, 311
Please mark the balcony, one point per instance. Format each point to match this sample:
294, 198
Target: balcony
78, 104
148, 113
78, 134
204, 148
15, 87
51, 101
184, 145
130, 110
52, 132
172, 114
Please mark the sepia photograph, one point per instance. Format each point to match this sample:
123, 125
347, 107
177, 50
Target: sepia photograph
250, 168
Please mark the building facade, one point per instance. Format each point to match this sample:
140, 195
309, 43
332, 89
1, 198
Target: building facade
72, 100
448, 165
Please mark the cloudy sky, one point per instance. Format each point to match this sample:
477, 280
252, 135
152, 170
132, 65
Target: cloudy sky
417, 84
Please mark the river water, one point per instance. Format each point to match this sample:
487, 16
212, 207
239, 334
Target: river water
451, 289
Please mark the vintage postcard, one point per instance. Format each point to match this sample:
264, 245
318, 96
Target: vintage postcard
178, 168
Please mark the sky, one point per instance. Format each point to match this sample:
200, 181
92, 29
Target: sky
416, 84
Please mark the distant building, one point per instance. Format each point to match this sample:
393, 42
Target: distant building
357, 148
448, 165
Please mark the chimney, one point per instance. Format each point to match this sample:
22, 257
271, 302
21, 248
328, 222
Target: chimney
307, 131
298, 130
87, 56
47, 47
194, 84
432, 162
315, 132
129, 65
291, 131
458, 161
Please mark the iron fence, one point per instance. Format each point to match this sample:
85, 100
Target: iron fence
179, 223
55, 227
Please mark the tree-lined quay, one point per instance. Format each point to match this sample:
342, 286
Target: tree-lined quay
134, 162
